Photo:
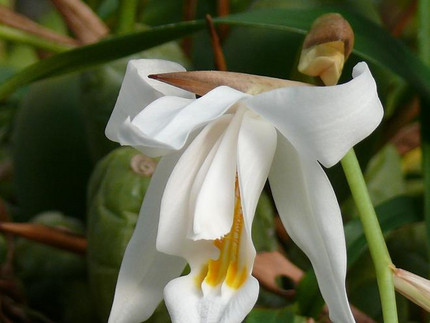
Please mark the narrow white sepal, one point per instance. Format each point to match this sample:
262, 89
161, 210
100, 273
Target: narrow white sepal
145, 271
310, 213
256, 148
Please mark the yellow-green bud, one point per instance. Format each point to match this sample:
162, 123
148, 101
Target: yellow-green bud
326, 48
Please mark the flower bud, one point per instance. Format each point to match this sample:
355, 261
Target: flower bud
413, 287
326, 48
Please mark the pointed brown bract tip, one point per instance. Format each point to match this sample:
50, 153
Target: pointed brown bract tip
201, 82
195, 82
153, 76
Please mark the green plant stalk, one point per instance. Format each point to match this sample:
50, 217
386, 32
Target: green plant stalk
424, 53
375, 239
127, 16
425, 148
18, 36
424, 31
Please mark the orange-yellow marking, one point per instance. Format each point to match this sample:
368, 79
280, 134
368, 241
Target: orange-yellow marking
228, 266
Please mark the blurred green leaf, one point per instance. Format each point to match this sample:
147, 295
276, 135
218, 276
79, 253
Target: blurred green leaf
99, 89
49, 273
263, 226
102, 52
384, 176
384, 179
51, 159
405, 245
285, 315
392, 215
157, 12
115, 195
309, 299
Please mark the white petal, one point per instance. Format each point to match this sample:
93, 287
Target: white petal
309, 211
324, 122
213, 193
138, 134
186, 303
172, 128
176, 219
166, 123
145, 271
256, 148
137, 91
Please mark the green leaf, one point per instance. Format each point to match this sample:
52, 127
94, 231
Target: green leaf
51, 160
263, 226
104, 51
115, 195
309, 299
286, 315
48, 273
384, 179
392, 215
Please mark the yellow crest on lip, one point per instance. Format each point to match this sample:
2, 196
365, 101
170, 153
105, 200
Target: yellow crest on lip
229, 267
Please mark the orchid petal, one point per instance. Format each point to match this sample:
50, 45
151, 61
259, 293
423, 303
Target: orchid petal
166, 123
137, 91
145, 271
175, 218
213, 192
186, 303
256, 148
172, 128
309, 211
324, 122
133, 134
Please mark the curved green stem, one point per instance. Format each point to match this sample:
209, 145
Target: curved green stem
18, 36
375, 239
127, 16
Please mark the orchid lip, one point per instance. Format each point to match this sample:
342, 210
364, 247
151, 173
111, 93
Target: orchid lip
229, 267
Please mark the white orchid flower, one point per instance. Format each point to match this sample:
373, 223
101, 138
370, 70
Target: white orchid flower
218, 150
